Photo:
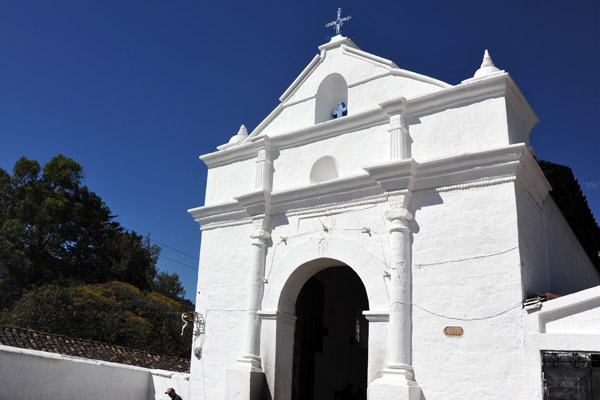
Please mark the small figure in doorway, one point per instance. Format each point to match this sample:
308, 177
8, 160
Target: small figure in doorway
172, 394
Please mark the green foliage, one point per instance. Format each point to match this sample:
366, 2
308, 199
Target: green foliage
113, 312
54, 230
67, 267
169, 285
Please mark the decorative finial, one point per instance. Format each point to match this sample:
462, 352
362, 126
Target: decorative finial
487, 66
338, 22
244, 132
241, 135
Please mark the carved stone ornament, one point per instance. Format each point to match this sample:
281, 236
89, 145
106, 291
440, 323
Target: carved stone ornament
395, 121
260, 228
261, 155
399, 200
401, 214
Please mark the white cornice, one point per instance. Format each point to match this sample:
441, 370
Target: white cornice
532, 180
329, 129
230, 211
317, 195
465, 186
337, 41
339, 207
306, 72
491, 167
239, 153
455, 96
418, 77
393, 175
469, 167
256, 203
368, 57
524, 111
265, 122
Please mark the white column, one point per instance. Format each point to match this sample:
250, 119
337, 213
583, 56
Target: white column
400, 322
251, 355
397, 380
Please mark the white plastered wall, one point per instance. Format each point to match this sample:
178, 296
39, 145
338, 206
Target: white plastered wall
225, 182
31, 374
223, 300
466, 265
353, 151
468, 128
570, 268
472, 272
532, 243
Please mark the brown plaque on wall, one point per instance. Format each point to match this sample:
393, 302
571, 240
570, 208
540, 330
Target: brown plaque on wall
453, 331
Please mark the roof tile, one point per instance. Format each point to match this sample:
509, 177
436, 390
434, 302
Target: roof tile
49, 342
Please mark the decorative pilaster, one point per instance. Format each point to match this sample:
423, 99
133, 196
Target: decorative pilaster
398, 380
399, 141
259, 237
246, 381
264, 175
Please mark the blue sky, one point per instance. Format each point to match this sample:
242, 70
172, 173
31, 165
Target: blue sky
135, 91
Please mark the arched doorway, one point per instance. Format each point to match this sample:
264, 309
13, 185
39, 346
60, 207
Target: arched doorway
331, 337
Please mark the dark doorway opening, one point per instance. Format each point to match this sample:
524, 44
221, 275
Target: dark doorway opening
331, 337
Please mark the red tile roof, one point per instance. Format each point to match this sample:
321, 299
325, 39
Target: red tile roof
60, 344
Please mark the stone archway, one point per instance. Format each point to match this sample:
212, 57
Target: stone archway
290, 274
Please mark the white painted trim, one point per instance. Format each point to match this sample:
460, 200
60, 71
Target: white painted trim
377, 316
306, 72
58, 356
277, 315
501, 85
491, 167
418, 77
368, 57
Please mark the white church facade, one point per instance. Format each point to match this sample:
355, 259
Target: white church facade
376, 236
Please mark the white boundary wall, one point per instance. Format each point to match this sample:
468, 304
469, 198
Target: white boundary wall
39, 375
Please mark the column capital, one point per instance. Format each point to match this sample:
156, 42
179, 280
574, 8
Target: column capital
261, 235
398, 214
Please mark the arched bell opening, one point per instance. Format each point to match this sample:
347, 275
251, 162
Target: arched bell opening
331, 98
330, 348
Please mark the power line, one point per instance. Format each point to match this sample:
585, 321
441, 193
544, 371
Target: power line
468, 319
172, 248
178, 262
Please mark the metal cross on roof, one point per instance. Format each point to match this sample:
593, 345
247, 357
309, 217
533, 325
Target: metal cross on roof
338, 22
